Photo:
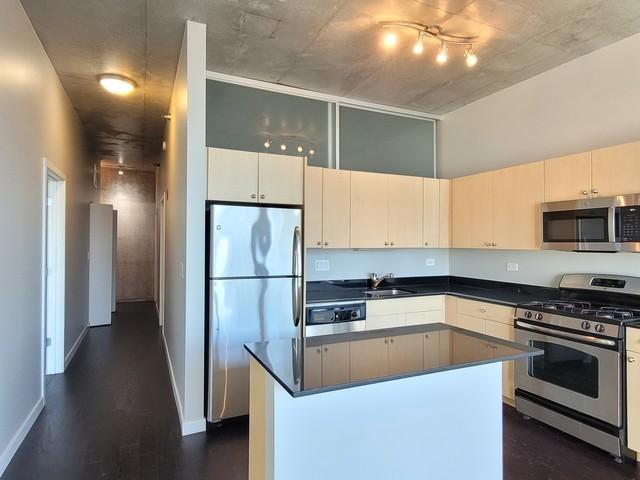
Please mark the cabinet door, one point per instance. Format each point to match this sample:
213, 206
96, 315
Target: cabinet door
280, 179
431, 210
445, 214
313, 207
312, 367
369, 358
567, 178
336, 208
406, 354
335, 364
232, 175
616, 170
423, 318
405, 211
505, 332
633, 400
385, 321
431, 350
471, 211
369, 210
516, 197
467, 322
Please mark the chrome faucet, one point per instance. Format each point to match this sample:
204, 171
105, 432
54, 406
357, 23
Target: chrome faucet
376, 281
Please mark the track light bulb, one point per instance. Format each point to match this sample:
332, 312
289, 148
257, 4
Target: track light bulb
312, 151
120, 172
283, 147
418, 47
299, 149
470, 57
442, 54
390, 40
267, 143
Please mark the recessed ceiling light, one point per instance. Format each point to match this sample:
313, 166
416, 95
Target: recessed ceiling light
117, 84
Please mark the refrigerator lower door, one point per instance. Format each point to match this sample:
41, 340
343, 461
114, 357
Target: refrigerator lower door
243, 311
249, 241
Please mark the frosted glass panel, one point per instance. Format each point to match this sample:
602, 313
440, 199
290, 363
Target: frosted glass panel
243, 118
383, 143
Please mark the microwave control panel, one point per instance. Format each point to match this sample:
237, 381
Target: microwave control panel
628, 224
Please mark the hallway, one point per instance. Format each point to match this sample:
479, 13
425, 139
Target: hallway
112, 415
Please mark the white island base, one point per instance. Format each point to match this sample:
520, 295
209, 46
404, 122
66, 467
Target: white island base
445, 425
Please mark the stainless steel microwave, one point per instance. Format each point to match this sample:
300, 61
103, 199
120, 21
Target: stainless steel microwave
610, 224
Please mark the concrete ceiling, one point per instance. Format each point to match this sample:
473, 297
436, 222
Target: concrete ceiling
331, 46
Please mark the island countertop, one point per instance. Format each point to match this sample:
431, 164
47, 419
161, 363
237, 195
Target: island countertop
320, 364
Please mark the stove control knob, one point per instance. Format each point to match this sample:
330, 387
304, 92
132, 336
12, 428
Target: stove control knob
599, 328
586, 325
527, 314
538, 316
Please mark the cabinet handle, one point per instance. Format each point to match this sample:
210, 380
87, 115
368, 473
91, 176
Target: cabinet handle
391, 340
326, 349
426, 335
426, 244
489, 347
494, 244
487, 244
386, 244
483, 310
495, 349
631, 359
318, 242
595, 191
585, 193
262, 196
386, 340
392, 244
253, 195
318, 351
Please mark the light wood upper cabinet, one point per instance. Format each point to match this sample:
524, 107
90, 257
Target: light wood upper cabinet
431, 210
567, 178
471, 211
405, 211
336, 208
369, 210
615, 170
280, 179
313, 200
516, 197
232, 175
633, 400
444, 220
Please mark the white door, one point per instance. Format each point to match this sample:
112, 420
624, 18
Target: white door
100, 263
162, 262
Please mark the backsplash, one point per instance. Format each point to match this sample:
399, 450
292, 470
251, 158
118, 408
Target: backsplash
542, 268
350, 264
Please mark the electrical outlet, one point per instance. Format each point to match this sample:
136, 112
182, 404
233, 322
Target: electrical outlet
430, 262
512, 267
322, 265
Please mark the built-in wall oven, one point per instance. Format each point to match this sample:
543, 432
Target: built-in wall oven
610, 224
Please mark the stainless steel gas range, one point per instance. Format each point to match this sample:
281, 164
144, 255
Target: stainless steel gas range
577, 386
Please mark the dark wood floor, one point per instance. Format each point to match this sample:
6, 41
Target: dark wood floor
112, 416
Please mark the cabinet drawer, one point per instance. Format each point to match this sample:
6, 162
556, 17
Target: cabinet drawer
490, 311
405, 305
633, 339
468, 322
385, 321
472, 308
423, 318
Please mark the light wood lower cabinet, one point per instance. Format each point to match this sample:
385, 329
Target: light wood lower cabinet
376, 322
400, 312
326, 365
369, 358
633, 400
468, 322
504, 332
406, 354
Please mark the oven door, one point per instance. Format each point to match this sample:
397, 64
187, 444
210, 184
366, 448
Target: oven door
581, 376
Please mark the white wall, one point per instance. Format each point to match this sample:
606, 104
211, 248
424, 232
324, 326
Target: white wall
352, 264
36, 121
590, 102
183, 176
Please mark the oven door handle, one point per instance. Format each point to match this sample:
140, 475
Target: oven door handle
568, 335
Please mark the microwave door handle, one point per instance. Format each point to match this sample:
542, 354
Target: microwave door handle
612, 224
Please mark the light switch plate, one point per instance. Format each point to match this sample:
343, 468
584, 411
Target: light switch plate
431, 262
322, 265
512, 267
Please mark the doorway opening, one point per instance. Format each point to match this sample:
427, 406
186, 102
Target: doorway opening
53, 266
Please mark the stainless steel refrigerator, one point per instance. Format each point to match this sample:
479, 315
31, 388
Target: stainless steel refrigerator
255, 293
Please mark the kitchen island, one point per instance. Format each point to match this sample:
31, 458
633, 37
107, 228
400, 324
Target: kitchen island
407, 403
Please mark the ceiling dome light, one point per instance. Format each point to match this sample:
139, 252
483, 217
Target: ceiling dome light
470, 57
418, 47
390, 40
442, 54
117, 84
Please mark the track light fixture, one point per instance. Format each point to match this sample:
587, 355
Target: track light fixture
390, 40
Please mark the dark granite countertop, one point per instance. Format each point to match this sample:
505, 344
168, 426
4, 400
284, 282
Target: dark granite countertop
496, 292
368, 357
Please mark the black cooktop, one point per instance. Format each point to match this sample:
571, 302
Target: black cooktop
587, 310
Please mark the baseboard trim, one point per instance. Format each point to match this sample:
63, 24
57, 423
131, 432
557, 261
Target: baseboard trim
15, 442
76, 345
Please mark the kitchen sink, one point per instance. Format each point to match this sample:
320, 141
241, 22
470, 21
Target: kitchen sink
390, 292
